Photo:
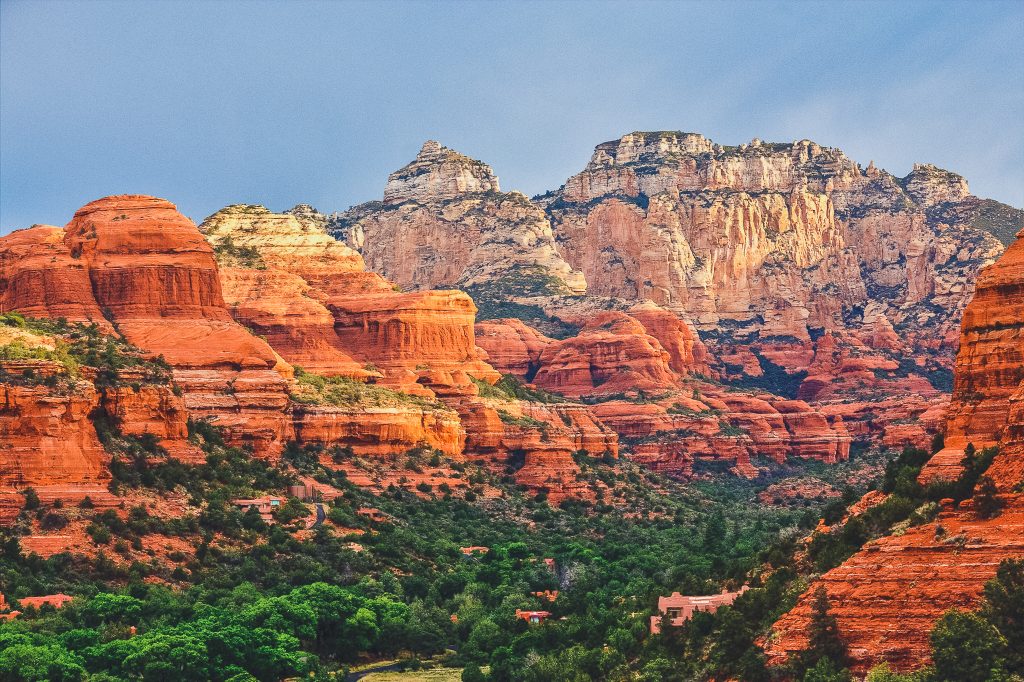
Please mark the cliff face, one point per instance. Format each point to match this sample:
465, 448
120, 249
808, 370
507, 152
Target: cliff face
148, 272
645, 381
888, 595
763, 248
308, 294
778, 239
50, 406
444, 222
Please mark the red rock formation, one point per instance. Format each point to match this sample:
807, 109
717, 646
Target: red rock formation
539, 440
147, 269
677, 430
47, 438
139, 408
381, 431
432, 330
687, 354
990, 364
512, 347
39, 278
612, 354
888, 596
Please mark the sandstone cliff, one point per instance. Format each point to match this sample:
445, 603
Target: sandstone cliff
888, 595
444, 222
309, 296
149, 273
777, 239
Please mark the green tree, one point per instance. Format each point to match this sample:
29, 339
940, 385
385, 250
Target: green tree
826, 670
472, 673
1004, 597
50, 663
986, 498
31, 498
823, 633
965, 646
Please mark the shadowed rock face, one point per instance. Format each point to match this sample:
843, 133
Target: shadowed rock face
888, 596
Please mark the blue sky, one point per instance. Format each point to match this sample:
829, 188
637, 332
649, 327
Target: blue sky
220, 102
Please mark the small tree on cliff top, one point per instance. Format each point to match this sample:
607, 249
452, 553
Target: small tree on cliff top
823, 634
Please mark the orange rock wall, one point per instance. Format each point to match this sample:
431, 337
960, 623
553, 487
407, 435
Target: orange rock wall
888, 596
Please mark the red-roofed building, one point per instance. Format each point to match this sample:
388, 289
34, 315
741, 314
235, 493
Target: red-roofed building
550, 595
264, 505
473, 551
57, 601
533, 617
676, 609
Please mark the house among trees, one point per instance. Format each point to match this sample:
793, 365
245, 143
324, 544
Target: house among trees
373, 514
550, 595
533, 617
676, 609
264, 505
57, 601
474, 551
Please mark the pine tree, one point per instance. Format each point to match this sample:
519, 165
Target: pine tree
823, 634
986, 498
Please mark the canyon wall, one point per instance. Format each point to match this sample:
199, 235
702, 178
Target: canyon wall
444, 222
888, 596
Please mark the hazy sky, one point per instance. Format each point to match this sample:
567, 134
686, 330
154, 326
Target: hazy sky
212, 103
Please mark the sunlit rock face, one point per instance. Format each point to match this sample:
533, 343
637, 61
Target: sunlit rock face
134, 264
888, 596
778, 239
445, 222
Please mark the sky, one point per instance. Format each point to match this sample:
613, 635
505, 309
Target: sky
278, 103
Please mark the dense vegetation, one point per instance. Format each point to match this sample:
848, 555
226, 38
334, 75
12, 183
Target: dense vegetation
314, 389
266, 601
72, 346
216, 592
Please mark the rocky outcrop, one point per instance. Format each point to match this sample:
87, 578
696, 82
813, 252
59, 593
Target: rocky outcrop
439, 173
888, 596
512, 347
539, 443
612, 354
674, 431
47, 438
445, 223
430, 332
150, 273
380, 431
311, 298
990, 364
777, 239
39, 277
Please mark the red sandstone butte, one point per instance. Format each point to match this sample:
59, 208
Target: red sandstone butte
148, 271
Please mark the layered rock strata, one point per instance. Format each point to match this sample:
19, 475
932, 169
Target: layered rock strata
888, 596
445, 222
